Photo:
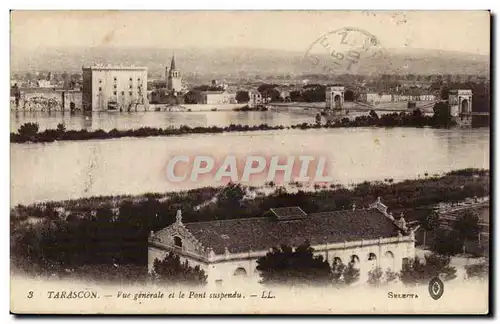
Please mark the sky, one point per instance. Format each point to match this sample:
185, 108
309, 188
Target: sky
466, 31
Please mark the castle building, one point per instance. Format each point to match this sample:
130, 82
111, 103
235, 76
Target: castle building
114, 88
173, 78
228, 250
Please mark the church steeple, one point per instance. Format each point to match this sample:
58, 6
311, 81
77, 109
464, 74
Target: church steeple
172, 64
173, 76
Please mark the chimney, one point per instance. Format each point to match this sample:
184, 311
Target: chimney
178, 217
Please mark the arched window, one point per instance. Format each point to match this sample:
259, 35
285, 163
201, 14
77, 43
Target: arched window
354, 259
337, 261
240, 272
372, 257
389, 260
177, 241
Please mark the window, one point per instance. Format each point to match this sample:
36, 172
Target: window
130, 79
100, 81
114, 86
123, 93
100, 89
177, 241
130, 93
114, 92
114, 79
337, 261
130, 86
139, 79
406, 262
218, 282
372, 257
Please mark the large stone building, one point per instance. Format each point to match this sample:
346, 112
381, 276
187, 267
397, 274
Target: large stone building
173, 78
228, 250
114, 88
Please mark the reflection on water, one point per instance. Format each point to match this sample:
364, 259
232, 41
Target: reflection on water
132, 120
64, 170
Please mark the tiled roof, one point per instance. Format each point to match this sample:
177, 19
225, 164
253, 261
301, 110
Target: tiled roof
257, 234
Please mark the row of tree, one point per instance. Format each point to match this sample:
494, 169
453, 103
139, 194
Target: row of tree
461, 236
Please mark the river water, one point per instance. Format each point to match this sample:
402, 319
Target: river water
123, 120
65, 170
133, 120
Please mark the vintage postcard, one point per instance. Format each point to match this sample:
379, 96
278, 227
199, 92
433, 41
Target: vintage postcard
250, 162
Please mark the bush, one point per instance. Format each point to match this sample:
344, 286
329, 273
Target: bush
480, 270
293, 267
28, 130
171, 270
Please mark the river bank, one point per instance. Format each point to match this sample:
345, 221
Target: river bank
29, 132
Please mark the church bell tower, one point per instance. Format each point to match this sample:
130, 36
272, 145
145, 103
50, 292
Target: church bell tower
174, 80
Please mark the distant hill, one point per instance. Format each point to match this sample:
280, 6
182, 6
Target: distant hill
235, 61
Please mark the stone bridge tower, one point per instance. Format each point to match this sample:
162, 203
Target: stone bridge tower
334, 107
460, 104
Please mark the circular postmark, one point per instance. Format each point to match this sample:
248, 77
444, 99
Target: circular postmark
436, 288
347, 50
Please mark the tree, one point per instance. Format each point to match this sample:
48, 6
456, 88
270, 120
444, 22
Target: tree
338, 269
295, 96
442, 115
269, 91
61, 128
351, 274
318, 119
444, 93
447, 243
242, 96
390, 276
171, 270
375, 277
430, 220
479, 270
28, 130
467, 226
193, 97
418, 272
294, 267
231, 196
373, 114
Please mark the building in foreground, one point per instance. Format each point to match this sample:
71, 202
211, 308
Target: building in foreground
228, 250
109, 87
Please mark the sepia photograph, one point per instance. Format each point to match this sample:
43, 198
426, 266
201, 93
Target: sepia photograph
250, 162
